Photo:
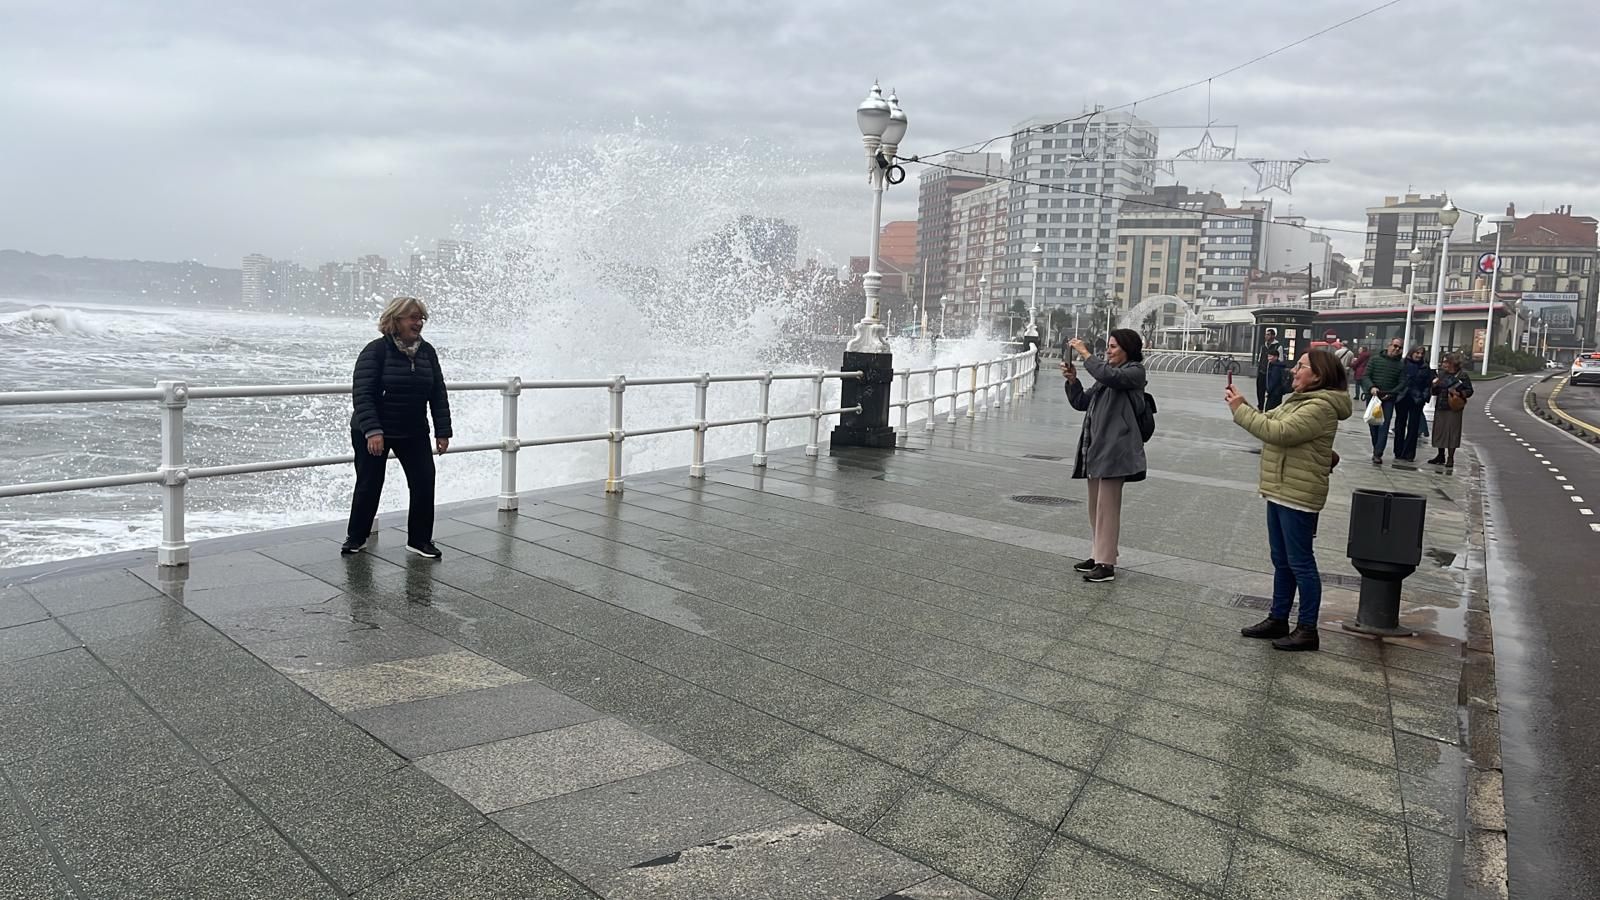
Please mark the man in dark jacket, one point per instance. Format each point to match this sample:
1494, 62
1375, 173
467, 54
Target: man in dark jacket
1277, 381
397, 381
1384, 374
1269, 344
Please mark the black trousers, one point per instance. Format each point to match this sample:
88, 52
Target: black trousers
416, 458
1261, 390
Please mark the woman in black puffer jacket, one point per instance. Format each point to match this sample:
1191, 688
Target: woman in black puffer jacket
397, 379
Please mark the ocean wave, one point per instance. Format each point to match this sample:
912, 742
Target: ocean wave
52, 321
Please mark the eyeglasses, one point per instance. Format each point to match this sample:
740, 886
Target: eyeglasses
415, 318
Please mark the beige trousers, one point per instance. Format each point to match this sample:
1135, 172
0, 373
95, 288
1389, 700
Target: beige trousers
1105, 518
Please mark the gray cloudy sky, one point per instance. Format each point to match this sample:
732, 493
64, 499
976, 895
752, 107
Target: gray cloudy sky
313, 130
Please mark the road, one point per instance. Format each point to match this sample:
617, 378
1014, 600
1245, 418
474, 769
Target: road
1544, 580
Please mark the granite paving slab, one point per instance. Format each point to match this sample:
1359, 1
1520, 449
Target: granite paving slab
423, 727
522, 770
599, 830
401, 680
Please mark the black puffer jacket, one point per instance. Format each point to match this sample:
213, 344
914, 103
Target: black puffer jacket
392, 392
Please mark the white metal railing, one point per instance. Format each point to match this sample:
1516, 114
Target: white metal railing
1000, 380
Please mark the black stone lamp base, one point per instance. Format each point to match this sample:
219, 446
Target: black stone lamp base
870, 427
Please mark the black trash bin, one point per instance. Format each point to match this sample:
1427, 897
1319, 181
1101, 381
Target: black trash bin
1385, 547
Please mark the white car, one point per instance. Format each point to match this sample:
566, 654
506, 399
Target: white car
1585, 368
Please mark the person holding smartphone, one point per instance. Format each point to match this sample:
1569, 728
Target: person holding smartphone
1110, 447
1297, 460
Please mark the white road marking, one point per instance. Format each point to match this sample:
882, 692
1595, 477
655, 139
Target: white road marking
1561, 478
1594, 526
1586, 511
1568, 487
1576, 499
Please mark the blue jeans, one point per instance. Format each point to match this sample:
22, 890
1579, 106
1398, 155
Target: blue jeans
1380, 433
1407, 429
1290, 533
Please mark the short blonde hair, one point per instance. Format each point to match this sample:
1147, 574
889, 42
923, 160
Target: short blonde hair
399, 308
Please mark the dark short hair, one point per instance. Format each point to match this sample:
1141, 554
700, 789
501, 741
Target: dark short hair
1329, 371
1130, 342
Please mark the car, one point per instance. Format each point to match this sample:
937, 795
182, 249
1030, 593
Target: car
1585, 369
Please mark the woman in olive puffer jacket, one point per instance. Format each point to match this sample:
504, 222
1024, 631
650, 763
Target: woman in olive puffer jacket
1296, 460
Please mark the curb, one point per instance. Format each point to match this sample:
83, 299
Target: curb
1483, 864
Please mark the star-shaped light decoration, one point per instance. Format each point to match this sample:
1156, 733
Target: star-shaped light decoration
1278, 173
1162, 165
1207, 150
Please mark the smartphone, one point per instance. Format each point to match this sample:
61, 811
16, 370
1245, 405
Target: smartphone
1230, 379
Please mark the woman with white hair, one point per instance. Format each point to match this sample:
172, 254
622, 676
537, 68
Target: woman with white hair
397, 380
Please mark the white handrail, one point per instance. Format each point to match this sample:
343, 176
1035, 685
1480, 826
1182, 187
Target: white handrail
173, 397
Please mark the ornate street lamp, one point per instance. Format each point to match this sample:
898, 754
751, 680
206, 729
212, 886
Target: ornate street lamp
983, 302
1036, 258
883, 125
1413, 259
1494, 281
1448, 217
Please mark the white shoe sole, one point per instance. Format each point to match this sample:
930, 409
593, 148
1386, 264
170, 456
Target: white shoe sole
421, 553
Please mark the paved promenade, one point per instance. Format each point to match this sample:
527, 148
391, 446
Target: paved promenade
861, 676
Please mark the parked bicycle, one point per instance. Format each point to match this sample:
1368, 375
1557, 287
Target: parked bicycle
1225, 365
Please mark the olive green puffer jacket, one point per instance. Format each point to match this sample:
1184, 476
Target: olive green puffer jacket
1297, 445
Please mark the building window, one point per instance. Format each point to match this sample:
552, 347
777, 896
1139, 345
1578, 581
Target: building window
1122, 255
1155, 271
1155, 255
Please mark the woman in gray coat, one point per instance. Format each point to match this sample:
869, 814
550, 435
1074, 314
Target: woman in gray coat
1110, 448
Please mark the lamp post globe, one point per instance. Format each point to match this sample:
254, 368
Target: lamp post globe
872, 116
895, 129
1448, 217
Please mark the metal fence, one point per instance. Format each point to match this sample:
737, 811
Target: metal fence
990, 384
1197, 362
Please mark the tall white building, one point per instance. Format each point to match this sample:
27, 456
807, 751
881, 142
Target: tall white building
1077, 174
257, 272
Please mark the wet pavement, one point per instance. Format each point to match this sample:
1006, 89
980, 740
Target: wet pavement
860, 676
1544, 492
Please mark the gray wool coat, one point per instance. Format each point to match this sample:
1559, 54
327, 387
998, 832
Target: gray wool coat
1109, 445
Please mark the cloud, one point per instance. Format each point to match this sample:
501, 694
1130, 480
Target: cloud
194, 130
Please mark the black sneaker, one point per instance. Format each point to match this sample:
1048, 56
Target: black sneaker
1377, 460
1085, 566
427, 551
1269, 628
352, 546
1303, 637
1101, 572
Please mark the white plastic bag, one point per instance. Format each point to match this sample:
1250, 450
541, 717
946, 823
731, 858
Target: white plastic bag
1374, 414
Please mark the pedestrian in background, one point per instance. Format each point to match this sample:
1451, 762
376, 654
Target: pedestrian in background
1383, 381
1416, 383
1358, 370
1110, 446
1277, 381
397, 381
1296, 460
1452, 387
1269, 344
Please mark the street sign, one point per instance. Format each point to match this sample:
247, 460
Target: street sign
1486, 263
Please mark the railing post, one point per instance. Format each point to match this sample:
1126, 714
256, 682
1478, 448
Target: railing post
173, 550
816, 412
905, 405
933, 403
955, 393
972, 394
997, 382
619, 383
697, 465
509, 444
760, 458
